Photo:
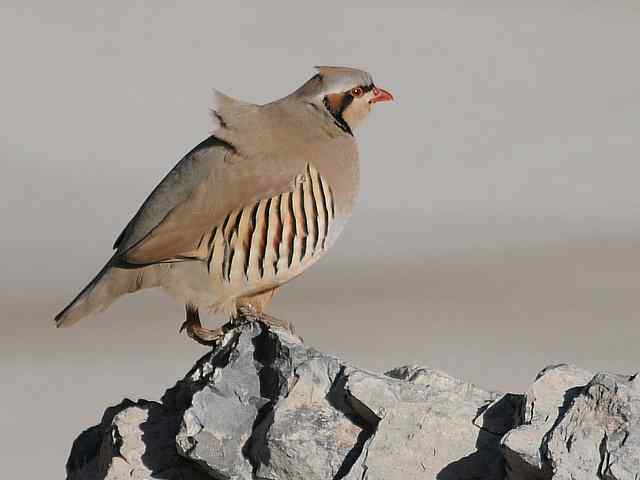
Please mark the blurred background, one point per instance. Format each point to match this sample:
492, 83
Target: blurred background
498, 229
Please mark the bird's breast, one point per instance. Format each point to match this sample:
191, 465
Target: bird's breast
271, 241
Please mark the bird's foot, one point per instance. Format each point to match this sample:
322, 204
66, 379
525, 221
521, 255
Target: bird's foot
200, 334
247, 313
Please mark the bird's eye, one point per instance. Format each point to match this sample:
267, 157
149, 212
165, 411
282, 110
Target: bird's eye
356, 92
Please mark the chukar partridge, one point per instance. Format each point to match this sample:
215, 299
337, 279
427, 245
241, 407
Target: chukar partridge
249, 208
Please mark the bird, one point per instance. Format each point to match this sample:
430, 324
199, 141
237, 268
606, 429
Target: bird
248, 209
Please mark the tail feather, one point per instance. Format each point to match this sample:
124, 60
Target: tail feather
109, 284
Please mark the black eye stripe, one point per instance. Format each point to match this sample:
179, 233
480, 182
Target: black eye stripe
364, 88
346, 101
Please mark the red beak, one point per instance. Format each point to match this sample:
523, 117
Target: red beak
380, 95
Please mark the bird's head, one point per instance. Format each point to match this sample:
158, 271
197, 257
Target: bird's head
346, 94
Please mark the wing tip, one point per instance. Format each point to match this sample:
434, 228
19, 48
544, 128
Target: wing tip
59, 319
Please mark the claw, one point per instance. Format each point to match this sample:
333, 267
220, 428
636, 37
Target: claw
184, 326
200, 334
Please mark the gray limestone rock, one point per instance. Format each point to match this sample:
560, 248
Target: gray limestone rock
577, 426
430, 424
134, 440
264, 406
550, 394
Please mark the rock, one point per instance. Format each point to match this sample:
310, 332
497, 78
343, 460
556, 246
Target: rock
216, 437
550, 394
264, 406
134, 440
427, 422
577, 426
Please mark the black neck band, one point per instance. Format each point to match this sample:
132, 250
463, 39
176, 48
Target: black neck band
337, 116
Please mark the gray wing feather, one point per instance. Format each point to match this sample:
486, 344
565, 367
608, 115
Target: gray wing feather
173, 190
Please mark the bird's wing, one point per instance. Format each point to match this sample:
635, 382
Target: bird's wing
209, 183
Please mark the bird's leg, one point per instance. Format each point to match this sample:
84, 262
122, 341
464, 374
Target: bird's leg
195, 330
251, 314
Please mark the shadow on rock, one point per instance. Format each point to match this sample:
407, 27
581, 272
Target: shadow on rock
487, 462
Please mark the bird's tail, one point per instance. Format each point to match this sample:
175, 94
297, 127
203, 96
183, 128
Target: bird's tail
109, 284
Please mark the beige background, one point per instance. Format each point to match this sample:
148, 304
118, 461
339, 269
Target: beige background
498, 229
